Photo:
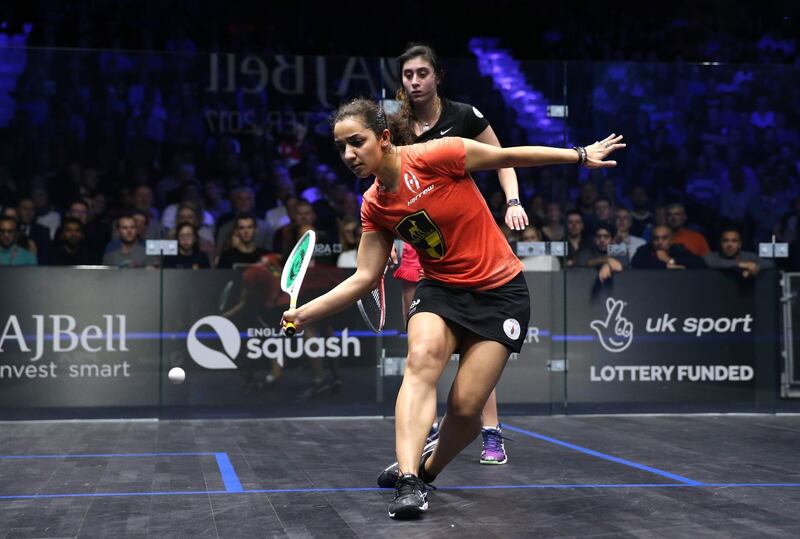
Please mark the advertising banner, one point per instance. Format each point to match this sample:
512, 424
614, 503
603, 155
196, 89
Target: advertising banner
83, 339
223, 328
689, 339
78, 338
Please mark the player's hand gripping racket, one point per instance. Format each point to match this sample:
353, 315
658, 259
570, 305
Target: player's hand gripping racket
372, 306
294, 270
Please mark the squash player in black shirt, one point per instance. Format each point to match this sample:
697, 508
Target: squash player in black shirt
427, 116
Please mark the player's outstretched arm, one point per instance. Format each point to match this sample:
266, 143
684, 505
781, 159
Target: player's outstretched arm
486, 157
515, 218
373, 250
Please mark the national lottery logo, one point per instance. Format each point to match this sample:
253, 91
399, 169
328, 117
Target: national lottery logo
208, 357
615, 332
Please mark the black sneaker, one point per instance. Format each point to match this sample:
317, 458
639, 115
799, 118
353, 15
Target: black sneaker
410, 497
390, 475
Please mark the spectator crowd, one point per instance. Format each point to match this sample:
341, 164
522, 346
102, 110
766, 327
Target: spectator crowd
107, 149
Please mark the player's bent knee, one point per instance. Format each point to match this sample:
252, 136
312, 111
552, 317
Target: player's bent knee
464, 409
419, 365
422, 357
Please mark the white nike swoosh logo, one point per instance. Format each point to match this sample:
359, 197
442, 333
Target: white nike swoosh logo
445, 131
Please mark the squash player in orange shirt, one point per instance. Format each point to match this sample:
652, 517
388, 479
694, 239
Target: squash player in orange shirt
473, 298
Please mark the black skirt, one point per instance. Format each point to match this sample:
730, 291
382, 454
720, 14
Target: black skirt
501, 314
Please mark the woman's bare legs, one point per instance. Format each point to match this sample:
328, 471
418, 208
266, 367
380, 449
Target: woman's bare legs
481, 365
490, 415
431, 343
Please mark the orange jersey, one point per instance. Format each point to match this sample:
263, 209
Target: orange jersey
439, 210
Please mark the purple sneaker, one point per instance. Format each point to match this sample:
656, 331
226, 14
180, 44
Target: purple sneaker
494, 452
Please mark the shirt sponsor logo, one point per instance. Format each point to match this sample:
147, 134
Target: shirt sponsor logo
411, 182
421, 232
424, 192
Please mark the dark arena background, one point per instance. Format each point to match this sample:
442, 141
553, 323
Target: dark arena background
659, 401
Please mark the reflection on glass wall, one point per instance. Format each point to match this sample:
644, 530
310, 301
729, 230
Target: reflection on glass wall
229, 157
165, 139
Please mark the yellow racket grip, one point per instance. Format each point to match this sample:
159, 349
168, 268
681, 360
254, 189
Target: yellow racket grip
290, 329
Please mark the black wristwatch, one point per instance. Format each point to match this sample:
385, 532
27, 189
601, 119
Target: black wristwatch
513, 202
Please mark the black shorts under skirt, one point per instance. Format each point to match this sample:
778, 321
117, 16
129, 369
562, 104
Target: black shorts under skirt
501, 314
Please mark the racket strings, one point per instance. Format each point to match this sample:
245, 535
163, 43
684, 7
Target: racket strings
371, 307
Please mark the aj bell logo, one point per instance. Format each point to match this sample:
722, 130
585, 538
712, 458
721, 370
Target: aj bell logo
615, 332
208, 357
62, 333
411, 182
